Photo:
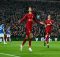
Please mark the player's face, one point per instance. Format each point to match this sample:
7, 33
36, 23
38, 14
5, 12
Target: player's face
30, 9
49, 17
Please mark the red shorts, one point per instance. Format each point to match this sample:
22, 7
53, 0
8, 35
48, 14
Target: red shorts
28, 30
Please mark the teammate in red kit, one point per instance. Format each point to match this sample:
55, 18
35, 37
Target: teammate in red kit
29, 17
48, 29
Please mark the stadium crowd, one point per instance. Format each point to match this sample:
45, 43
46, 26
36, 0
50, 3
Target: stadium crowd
12, 12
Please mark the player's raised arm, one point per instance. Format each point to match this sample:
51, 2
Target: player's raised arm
22, 19
39, 22
36, 20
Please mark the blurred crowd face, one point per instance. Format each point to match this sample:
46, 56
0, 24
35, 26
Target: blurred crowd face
30, 9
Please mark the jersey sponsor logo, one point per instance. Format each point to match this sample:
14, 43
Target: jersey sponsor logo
29, 19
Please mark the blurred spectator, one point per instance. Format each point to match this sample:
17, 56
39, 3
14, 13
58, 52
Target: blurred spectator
13, 12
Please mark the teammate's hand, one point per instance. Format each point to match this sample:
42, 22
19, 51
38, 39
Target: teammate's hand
42, 23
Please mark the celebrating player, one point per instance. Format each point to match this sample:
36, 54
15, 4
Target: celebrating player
48, 29
29, 17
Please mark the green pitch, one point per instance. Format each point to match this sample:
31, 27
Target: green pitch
12, 49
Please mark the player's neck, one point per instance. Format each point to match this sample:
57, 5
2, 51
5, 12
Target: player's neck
30, 12
49, 19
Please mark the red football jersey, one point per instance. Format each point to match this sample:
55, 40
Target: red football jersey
48, 28
29, 21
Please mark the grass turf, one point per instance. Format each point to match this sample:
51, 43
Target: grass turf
12, 49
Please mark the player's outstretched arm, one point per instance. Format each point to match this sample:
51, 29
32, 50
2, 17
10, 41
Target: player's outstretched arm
22, 19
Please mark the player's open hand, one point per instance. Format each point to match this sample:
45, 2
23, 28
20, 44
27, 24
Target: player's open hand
42, 23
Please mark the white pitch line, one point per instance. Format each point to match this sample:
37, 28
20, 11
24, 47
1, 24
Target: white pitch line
9, 55
42, 53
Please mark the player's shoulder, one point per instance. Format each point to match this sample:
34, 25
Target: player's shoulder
46, 20
27, 14
32, 14
52, 20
